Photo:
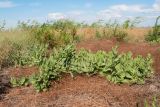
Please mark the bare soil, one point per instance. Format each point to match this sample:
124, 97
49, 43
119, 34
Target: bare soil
83, 91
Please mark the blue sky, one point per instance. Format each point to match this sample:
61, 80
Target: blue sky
78, 10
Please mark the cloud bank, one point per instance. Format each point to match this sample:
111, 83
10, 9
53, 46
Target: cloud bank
7, 4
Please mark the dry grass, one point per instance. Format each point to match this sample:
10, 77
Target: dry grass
88, 33
13, 35
134, 35
137, 34
7, 38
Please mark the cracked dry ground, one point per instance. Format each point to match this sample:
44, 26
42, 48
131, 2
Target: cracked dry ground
83, 91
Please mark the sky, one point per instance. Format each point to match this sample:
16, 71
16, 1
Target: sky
87, 11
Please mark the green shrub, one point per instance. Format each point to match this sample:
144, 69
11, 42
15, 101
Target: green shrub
115, 30
98, 35
13, 46
78, 38
83, 63
118, 68
46, 35
23, 81
66, 39
154, 35
33, 55
51, 68
121, 35
124, 68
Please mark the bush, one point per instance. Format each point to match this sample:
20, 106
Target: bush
154, 35
124, 68
10, 52
118, 68
121, 35
23, 81
151, 37
98, 35
55, 34
46, 35
33, 55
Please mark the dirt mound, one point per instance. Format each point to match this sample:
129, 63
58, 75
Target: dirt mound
6, 74
83, 91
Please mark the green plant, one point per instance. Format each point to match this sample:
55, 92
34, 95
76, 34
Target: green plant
51, 68
78, 38
32, 55
126, 24
98, 35
115, 30
11, 53
13, 45
154, 35
74, 33
41, 82
37, 54
83, 63
46, 35
124, 69
131, 23
66, 38
16, 82
118, 68
120, 35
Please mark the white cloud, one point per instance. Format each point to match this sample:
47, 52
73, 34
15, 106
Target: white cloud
124, 10
136, 8
119, 11
6, 4
56, 16
75, 13
156, 5
88, 5
108, 14
124, 7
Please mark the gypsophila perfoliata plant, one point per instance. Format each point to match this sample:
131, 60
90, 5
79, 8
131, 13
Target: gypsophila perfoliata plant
33, 55
16, 82
118, 68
